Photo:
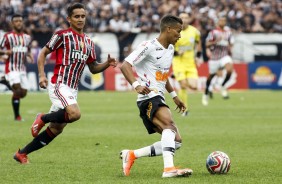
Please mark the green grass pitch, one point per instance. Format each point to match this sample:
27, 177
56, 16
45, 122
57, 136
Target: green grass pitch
248, 127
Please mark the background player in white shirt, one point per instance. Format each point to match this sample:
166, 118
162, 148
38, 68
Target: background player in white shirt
152, 61
219, 43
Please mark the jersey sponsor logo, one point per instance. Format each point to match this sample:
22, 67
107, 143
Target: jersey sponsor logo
159, 57
140, 55
161, 76
77, 54
185, 48
53, 40
19, 49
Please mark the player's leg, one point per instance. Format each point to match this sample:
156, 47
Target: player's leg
183, 94
5, 82
226, 62
180, 76
213, 68
192, 83
43, 139
170, 135
18, 93
206, 94
147, 110
64, 109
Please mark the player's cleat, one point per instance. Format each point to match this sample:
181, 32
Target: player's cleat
184, 114
205, 101
21, 157
37, 125
224, 93
174, 172
128, 159
19, 118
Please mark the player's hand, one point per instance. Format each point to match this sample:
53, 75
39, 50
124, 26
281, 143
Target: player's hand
112, 61
8, 52
180, 105
144, 90
43, 82
198, 62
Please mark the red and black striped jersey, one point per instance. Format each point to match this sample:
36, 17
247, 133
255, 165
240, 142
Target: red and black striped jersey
19, 44
221, 48
73, 52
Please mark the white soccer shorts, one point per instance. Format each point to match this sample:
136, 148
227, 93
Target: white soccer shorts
215, 65
15, 77
61, 96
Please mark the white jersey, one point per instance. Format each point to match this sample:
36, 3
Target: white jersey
220, 49
152, 63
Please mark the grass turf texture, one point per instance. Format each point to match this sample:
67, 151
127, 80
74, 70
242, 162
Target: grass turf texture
248, 127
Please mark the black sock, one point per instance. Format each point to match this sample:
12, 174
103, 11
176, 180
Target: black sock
16, 105
208, 83
60, 116
6, 83
43, 139
227, 77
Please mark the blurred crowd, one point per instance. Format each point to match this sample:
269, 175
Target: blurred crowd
128, 17
143, 16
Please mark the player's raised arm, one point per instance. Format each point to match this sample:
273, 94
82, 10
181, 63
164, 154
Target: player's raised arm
40, 64
94, 67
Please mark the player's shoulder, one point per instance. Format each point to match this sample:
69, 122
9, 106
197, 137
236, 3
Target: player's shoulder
62, 31
88, 38
8, 33
147, 44
193, 28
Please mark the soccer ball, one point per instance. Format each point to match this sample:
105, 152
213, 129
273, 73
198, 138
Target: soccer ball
218, 163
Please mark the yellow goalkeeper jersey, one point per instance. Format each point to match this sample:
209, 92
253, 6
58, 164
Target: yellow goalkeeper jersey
189, 37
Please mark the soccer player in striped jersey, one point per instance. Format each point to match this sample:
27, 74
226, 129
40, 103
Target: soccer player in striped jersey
16, 45
219, 43
185, 60
73, 50
152, 60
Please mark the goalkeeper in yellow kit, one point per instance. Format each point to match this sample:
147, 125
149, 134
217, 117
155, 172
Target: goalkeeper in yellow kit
184, 62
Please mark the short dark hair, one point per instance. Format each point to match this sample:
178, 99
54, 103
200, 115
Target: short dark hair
169, 20
16, 15
74, 6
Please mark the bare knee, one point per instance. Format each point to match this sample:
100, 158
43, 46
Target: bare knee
170, 125
19, 92
74, 115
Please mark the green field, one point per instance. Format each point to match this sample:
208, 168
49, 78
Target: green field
248, 127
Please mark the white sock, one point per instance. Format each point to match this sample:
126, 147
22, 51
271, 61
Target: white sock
149, 151
153, 150
168, 147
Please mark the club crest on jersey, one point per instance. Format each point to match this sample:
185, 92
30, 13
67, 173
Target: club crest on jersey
146, 80
81, 44
77, 54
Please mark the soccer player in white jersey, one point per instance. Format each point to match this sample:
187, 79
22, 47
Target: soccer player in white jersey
74, 50
16, 46
152, 60
219, 43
